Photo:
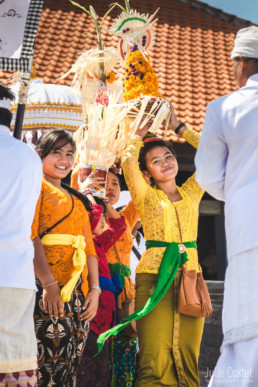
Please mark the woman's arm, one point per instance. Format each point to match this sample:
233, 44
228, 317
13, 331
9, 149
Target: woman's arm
107, 239
112, 212
133, 176
191, 187
52, 301
191, 136
130, 214
91, 302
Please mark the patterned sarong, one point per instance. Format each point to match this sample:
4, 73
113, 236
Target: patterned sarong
61, 341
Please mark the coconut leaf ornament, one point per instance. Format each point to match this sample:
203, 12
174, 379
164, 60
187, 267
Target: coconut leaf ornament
134, 30
141, 84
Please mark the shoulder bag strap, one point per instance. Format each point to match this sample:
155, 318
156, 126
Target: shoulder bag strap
136, 252
59, 221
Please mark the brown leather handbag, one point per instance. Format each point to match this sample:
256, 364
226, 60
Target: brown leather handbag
194, 299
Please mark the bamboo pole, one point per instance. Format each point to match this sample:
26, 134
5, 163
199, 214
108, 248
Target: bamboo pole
23, 95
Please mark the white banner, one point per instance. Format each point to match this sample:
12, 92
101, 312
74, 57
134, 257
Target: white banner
19, 21
13, 15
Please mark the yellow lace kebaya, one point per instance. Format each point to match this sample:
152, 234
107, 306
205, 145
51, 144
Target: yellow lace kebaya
156, 211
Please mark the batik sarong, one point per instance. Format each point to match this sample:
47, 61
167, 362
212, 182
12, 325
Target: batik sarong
61, 341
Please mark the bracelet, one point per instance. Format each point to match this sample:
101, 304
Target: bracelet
96, 287
179, 127
106, 200
49, 284
89, 191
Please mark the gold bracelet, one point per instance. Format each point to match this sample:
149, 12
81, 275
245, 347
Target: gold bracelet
49, 284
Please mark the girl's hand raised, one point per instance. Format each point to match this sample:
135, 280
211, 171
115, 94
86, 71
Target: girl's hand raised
173, 123
52, 301
142, 132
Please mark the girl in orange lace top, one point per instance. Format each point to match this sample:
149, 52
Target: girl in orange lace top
65, 259
52, 204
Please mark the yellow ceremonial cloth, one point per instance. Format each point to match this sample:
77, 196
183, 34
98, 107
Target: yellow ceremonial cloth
79, 258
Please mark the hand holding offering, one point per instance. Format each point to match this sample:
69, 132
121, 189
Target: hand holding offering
92, 182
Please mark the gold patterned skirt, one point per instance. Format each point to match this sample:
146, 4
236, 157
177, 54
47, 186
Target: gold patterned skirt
169, 342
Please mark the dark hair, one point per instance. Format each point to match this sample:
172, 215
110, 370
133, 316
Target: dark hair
54, 139
5, 117
5, 92
101, 203
85, 201
5, 114
119, 177
151, 145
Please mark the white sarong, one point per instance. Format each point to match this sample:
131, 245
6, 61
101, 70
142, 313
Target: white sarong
238, 362
237, 365
240, 305
18, 346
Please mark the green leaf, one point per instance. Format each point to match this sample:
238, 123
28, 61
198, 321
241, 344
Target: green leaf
118, 5
127, 5
111, 7
93, 13
80, 6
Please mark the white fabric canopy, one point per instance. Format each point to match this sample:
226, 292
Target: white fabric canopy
49, 106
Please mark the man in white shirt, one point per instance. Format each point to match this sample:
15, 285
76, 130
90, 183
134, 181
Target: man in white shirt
137, 250
20, 185
227, 168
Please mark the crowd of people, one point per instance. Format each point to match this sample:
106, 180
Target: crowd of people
74, 265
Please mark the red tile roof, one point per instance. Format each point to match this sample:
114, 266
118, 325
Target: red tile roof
191, 55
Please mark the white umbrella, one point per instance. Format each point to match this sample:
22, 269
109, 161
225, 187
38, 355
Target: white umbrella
49, 106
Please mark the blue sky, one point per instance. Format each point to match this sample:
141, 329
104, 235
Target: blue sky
246, 9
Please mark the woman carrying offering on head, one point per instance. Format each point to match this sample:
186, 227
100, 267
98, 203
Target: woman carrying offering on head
169, 342
66, 265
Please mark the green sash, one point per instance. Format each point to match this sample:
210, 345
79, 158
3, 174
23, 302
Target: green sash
169, 266
121, 270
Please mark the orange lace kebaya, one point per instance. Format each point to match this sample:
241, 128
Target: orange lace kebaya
52, 205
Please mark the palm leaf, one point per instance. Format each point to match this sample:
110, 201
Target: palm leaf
80, 6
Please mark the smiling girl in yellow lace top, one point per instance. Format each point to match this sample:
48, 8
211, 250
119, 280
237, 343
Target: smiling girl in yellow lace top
157, 213
169, 342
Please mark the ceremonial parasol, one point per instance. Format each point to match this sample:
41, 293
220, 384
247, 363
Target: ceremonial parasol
49, 106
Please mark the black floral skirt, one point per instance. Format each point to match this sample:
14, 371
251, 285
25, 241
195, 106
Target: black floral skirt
60, 341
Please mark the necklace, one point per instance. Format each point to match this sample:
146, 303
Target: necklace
181, 246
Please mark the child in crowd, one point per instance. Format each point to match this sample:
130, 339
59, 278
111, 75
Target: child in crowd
123, 346
66, 266
94, 371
